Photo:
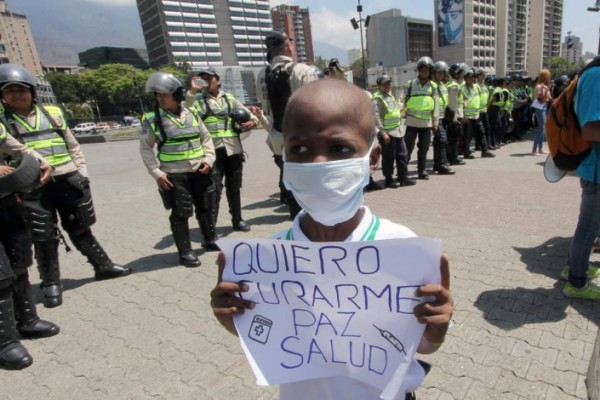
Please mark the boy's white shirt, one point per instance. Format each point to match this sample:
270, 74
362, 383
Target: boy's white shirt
343, 388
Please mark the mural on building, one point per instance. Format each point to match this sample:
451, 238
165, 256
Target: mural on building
450, 20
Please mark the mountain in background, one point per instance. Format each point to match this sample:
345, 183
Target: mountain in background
63, 28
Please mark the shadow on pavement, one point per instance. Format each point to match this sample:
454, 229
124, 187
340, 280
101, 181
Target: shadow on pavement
268, 203
510, 309
269, 219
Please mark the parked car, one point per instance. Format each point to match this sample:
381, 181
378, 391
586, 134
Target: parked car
136, 122
103, 126
88, 128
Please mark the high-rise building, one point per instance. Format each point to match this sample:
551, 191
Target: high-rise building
16, 41
393, 39
545, 26
354, 55
94, 58
574, 53
512, 36
295, 22
205, 32
466, 32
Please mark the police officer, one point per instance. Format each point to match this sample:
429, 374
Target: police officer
391, 137
496, 113
67, 194
183, 164
216, 108
472, 125
422, 112
18, 315
484, 95
274, 85
440, 136
454, 114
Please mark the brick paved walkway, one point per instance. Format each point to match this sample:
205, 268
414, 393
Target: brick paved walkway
152, 334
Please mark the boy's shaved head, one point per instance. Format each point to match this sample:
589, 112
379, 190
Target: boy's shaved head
328, 102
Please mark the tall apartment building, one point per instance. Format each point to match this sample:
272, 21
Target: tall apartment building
512, 36
466, 32
393, 39
545, 29
295, 22
575, 53
205, 32
16, 41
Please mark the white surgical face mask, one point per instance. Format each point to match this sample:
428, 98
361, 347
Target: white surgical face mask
331, 192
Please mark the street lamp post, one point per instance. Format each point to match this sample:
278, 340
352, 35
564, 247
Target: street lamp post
359, 25
596, 8
136, 88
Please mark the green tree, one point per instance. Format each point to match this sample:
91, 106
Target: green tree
561, 66
358, 73
78, 111
65, 87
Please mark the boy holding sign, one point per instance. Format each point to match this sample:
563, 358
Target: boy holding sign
328, 151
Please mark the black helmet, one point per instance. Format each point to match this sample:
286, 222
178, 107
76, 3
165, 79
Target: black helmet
13, 74
425, 62
440, 66
455, 69
489, 80
239, 116
163, 82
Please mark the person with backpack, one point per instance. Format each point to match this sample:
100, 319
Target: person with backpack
573, 130
216, 109
422, 113
182, 163
67, 194
543, 96
274, 85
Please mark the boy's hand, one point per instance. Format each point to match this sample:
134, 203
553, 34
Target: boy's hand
223, 299
436, 314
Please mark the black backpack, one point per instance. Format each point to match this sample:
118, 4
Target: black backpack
278, 90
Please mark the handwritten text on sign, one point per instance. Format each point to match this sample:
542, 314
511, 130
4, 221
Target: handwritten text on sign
331, 309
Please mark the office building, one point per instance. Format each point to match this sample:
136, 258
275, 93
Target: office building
205, 32
572, 49
475, 45
94, 58
16, 41
65, 69
394, 40
295, 22
545, 30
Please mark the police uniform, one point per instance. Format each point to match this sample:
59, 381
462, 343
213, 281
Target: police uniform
387, 120
68, 194
453, 125
440, 137
18, 314
422, 114
471, 108
289, 76
216, 112
184, 146
495, 114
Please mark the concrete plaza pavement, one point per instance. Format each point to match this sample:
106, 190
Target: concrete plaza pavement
152, 335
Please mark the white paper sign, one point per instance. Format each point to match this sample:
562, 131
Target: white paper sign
331, 309
538, 104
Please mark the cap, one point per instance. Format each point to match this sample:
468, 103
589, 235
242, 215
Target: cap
383, 79
275, 39
209, 71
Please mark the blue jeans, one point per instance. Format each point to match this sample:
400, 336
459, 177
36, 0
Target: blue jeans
540, 134
587, 229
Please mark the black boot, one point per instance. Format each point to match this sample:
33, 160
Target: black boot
181, 235
235, 209
104, 268
46, 254
207, 227
373, 185
444, 170
29, 323
13, 355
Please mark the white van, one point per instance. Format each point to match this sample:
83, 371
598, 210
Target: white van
88, 128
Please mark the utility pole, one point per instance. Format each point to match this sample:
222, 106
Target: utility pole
359, 25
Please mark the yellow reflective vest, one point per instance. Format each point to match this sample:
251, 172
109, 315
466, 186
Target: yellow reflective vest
391, 112
181, 140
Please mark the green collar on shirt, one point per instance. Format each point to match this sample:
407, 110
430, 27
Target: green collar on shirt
370, 233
